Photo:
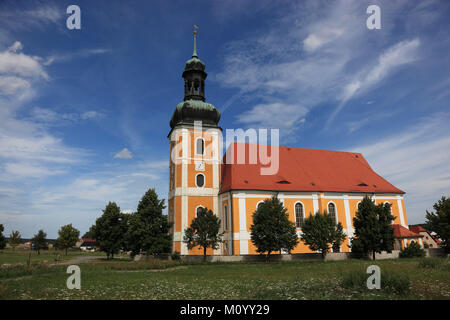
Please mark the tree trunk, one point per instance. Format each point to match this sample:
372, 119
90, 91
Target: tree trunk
66, 251
373, 255
204, 254
268, 256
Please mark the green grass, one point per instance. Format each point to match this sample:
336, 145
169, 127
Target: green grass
124, 279
20, 256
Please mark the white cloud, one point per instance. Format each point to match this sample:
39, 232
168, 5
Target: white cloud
10, 85
14, 62
322, 57
416, 160
124, 154
273, 115
22, 170
51, 117
321, 37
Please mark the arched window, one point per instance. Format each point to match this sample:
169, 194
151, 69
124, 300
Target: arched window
200, 146
200, 180
332, 210
198, 210
298, 215
259, 204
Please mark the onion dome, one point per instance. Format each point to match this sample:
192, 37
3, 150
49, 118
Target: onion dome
194, 107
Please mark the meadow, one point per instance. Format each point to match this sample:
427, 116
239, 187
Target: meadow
425, 278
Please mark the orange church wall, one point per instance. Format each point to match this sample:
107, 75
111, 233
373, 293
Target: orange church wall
289, 204
404, 212
177, 246
194, 202
250, 208
192, 140
236, 247
177, 213
178, 169
208, 173
235, 214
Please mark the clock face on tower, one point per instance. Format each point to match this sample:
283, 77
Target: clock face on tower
200, 166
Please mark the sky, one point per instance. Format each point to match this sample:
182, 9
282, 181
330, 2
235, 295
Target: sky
84, 114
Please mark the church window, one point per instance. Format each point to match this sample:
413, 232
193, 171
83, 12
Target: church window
225, 215
298, 215
200, 146
259, 204
200, 180
197, 211
332, 210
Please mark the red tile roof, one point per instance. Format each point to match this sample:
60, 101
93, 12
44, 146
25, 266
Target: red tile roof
417, 229
402, 232
305, 170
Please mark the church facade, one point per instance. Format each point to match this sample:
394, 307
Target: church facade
307, 180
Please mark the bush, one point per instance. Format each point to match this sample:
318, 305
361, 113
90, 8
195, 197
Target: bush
412, 251
176, 256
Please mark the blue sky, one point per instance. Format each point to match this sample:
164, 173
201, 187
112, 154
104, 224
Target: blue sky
85, 113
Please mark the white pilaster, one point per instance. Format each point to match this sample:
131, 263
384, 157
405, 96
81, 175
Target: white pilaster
243, 243
400, 211
348, 219
315, 203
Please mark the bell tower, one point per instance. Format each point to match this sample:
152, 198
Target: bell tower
194, 175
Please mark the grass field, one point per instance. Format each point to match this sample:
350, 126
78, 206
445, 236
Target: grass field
124, 279
20, 256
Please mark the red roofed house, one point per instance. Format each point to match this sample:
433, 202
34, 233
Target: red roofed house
427, 238
404, 236
305, 180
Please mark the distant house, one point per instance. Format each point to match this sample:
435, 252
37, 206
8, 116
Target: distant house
428, 238
404, 237
88, 244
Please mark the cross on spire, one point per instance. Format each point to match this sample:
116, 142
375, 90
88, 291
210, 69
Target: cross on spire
194, 54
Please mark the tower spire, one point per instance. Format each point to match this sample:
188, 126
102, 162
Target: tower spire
194, 54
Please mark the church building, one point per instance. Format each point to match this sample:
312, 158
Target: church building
307, 180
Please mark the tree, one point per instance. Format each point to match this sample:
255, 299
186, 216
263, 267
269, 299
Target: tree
412, 251
203, 231
320, 231
148, 228
373, 228
68, 237
2, 238
439, 221
39, 241
109, 231
90, 234
271, 229
14, 239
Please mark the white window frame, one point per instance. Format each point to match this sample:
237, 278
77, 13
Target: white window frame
295, 213
259, 202
204, 180
196, 208
196, 147
335, 210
